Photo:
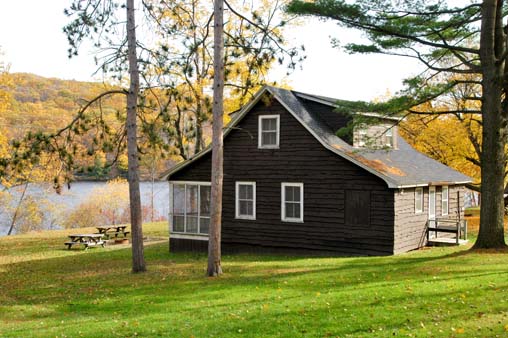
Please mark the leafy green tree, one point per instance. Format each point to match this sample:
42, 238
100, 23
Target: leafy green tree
465, 40
98, 20
253, 43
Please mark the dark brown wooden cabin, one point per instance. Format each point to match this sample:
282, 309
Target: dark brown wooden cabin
292, 185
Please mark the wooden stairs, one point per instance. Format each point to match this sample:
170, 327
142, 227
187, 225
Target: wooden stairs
452, 231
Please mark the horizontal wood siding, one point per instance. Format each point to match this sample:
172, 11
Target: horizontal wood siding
199, 171
326, 178
410, 228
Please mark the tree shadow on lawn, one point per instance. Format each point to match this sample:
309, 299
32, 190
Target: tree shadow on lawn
98, 283
217, 304
88, 271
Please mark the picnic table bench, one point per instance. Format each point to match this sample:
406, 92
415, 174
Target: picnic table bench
87, 240
113, 230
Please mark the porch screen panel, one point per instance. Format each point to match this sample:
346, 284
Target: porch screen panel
204, 208
192, 208
179, 208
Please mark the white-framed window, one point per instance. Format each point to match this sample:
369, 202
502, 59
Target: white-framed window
362, 137
432, 202
245, 200
269, 131
292, 202
190, 207
418, 200
444, 200
389, 137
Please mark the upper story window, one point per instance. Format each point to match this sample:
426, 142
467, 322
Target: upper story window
269, 131
444, 200
375, 136
418, 200
362, 137
292, 202
389, 137
246, 200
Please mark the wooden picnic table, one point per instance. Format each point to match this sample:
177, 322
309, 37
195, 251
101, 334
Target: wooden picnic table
87, 240
112, 230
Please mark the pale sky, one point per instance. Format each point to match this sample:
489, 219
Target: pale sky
32, 39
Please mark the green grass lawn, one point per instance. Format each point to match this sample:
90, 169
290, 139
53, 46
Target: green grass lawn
48, 291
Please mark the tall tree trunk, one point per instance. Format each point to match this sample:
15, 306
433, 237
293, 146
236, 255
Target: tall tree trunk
138, 258
214, 240
179, 133
491, 234
199, 133
201, 112
152, 174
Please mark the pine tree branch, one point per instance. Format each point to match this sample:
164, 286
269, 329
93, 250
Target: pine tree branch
445, 112
305, 8
86, 106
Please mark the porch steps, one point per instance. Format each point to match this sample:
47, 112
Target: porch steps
443, 241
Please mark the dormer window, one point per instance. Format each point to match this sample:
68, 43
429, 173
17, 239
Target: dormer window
375, 136
389, 137
362, 137
269, 131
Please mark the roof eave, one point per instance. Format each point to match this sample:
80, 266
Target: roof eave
432, 183
370, 114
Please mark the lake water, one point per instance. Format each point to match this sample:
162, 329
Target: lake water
80, 191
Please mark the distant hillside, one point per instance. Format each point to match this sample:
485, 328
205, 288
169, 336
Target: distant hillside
34, 103
38, 103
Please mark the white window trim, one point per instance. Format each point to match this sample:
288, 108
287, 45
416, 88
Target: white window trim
283, 204
171, 205
197, 237
362, 136
277, 137
432, 192
389, 135
419, 208
237, 200
444, 211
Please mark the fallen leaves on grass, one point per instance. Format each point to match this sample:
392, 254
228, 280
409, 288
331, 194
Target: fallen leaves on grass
459, 330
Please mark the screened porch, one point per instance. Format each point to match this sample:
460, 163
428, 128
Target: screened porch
189, 208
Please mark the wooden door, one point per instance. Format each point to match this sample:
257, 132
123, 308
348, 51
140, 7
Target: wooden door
432, 208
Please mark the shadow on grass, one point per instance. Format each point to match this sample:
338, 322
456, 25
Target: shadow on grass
98, 284
81, 269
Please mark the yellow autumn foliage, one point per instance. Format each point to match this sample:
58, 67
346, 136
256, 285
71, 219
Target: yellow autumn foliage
446, 139
106, 204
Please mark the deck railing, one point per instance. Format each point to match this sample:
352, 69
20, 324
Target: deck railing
447, 225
